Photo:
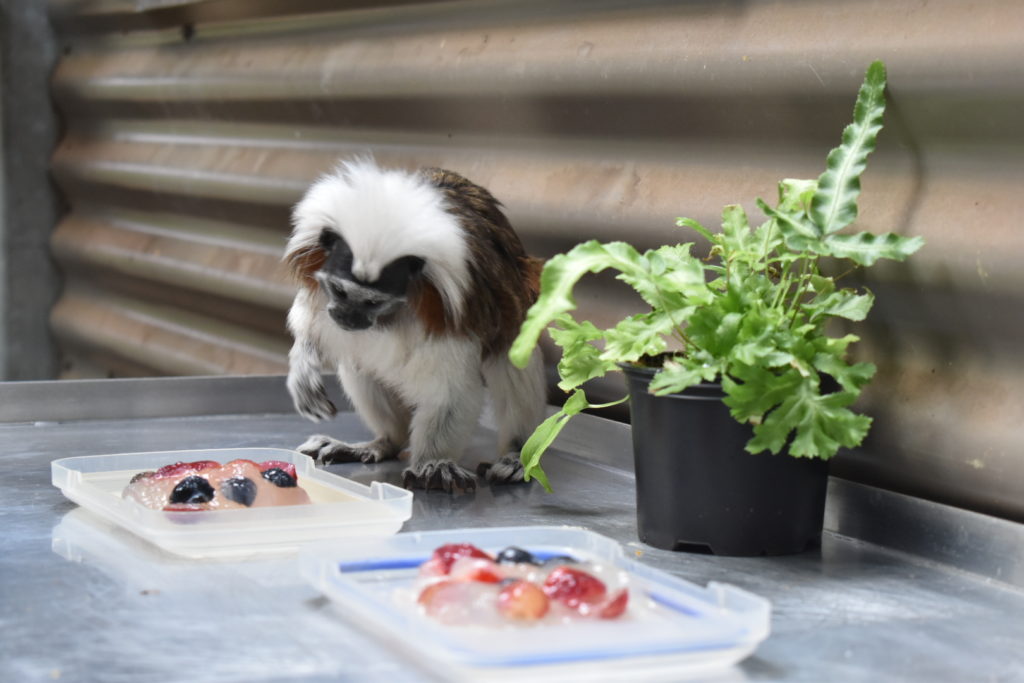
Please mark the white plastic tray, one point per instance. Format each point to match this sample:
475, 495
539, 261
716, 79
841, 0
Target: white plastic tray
340, 507
673, 627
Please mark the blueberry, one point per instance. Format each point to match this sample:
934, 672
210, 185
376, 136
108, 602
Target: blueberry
561, 559
514, 555
192, 490
239, 489
278, 477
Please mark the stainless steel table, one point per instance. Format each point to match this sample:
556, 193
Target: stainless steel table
901, 589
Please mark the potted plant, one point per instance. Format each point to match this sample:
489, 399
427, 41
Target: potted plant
734, 363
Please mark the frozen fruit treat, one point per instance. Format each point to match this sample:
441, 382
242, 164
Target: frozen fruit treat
462, 585
208, 485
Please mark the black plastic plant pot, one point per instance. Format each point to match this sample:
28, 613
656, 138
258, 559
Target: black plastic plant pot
698, 490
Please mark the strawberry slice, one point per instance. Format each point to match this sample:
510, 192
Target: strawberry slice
440, 563
574, 588
480, 569
177, 468
279, 464
616, 606
522, 600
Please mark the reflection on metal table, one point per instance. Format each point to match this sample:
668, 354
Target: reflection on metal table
901, 589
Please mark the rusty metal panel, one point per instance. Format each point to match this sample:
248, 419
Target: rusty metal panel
193, 126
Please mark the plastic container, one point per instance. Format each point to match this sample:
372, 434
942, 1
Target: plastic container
340, 507
672, 627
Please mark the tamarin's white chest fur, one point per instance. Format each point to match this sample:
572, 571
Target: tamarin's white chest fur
404, 357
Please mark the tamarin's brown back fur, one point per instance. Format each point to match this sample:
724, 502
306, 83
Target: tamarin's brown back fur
505, 279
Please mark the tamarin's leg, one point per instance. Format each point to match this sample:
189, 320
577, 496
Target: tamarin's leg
442, 426
518, 397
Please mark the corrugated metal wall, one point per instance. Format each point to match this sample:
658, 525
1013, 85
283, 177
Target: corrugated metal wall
192, 127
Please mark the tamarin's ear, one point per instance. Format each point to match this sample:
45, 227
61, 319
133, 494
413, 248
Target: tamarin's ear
304, 261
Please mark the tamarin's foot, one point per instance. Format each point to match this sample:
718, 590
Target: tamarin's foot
443, 475
507, 470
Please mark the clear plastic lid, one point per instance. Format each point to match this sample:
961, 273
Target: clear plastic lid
339, 508
671, 627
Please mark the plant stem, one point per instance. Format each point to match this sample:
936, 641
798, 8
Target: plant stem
764, 251
784, 282
801, 288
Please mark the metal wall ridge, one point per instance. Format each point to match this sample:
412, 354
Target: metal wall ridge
168, 340
549, 194
250, 275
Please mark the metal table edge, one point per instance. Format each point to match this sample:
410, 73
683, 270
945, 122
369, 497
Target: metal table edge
987, 547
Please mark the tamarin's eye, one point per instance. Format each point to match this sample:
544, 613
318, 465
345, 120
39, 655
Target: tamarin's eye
328, 238
338, 292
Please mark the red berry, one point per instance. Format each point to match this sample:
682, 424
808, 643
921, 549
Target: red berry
522, 600
573, 587
616, 606
182, 467
446, 555
475, 569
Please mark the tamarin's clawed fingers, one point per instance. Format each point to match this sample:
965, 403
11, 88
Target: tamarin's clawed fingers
327, 450
443, 475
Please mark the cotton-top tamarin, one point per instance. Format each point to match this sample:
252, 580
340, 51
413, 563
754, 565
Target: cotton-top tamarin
413, 286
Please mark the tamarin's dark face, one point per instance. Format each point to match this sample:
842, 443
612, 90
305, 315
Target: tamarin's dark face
356, 304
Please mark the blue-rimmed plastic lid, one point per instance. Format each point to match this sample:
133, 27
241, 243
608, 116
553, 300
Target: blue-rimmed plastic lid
672, 626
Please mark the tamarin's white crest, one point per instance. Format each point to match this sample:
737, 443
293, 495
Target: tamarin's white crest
413, 286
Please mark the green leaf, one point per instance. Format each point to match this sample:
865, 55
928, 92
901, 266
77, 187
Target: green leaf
682, 273
851, 378
548, 430
834, 205
714, 330
799, 233
836, 345
795, 195
763, 333
823, 424
557, 281
865, 249
700, 229
828, 428
581, 360
752, 391
841, 304
679, 374
822, 285
767, 237
545, 434
639, 335
735, 228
